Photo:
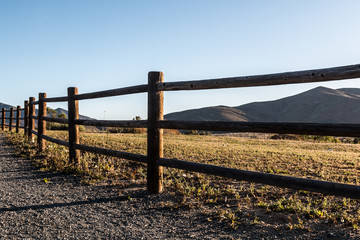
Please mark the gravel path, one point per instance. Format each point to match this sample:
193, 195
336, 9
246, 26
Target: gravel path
64, 208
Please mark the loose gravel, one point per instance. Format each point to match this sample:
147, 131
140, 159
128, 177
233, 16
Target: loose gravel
35, 204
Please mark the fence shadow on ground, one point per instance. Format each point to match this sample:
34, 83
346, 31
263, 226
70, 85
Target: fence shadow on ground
70, 204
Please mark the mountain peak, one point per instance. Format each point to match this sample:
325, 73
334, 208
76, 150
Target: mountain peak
320, 90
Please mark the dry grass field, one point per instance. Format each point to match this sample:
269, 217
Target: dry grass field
225, 200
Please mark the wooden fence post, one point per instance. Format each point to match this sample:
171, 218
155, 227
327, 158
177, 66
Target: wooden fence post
3, 119
26, 117
41, 122
73, 113
11, 118
154, 134
17, 119
31, 119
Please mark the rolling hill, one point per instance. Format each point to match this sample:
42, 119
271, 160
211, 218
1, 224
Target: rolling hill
318, 105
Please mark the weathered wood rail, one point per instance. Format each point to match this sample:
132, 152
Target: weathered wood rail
156, 123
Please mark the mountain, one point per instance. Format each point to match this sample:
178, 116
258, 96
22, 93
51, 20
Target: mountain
318, 105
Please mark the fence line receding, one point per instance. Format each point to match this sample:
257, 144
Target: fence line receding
155, 123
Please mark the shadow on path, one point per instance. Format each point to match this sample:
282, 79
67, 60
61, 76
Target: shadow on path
35, 174
21, 170
57, 205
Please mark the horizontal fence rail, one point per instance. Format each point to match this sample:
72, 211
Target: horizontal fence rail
113, 92
309, 76
155, 123
57, 120
338, 189
57, 141
56, 99
112, 153
341, 130
113, 123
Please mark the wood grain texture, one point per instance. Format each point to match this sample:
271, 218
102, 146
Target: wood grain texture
31, 119
56, 99
325, 129
3, 119
57, 120
331, 188
113, 123
57, 141
73, 114
113, 92
112, 153
41, 122
154, 134
17, 119
11, 119
26, 117
308, 76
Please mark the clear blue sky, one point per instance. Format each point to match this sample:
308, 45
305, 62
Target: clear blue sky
47, 46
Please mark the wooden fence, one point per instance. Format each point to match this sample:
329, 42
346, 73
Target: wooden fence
155, 123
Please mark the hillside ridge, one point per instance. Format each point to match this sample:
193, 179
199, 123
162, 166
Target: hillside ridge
317, 105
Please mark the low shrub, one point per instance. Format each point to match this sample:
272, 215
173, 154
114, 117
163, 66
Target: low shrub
317, 138
285, 137
196, 132
126, 130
